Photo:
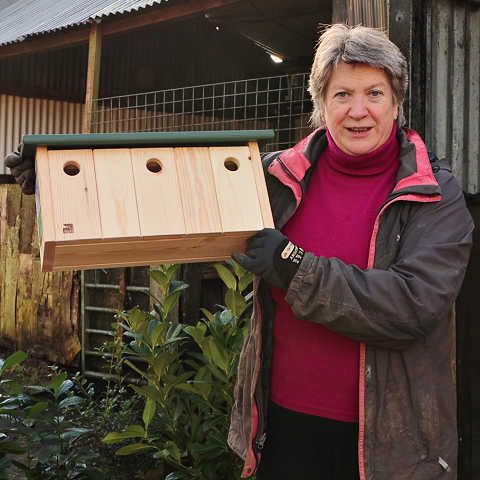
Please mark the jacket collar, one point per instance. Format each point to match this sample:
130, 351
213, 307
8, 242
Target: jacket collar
415, 175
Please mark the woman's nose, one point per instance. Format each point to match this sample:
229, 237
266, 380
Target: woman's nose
358, 107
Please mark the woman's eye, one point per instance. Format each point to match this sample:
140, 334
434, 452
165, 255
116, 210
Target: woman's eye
341, 94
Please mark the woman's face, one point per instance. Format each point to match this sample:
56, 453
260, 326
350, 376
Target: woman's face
359, 108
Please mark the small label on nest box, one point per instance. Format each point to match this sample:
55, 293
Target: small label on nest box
68, 228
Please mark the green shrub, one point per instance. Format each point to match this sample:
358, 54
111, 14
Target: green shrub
188, 374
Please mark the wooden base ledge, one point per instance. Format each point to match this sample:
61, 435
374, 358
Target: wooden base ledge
105, 254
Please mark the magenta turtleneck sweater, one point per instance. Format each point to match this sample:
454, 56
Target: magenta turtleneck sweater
315, 370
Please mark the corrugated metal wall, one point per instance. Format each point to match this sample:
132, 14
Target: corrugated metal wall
453, 88
20, 115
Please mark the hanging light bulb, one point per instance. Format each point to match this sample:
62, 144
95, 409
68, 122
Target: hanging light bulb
276, 58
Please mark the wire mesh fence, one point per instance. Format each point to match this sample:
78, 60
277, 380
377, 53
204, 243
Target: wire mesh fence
281, 103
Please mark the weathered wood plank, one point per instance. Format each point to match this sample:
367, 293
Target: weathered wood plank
11, 261
93, 76
38, 312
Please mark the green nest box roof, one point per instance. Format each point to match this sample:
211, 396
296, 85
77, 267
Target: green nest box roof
143, 139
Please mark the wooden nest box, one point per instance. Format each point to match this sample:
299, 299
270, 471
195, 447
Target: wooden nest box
114, 200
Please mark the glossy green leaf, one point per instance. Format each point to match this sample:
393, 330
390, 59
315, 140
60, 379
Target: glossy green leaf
197, 332
171, 270
35, 410
133, 448
173, 450
57, 382
133, 431
158, 334
13, 359
148, 412
73, 434
161, 363
71, 402
236, 302
218, 355
64, 387
244, 281
208, 314
148, 391
226, 275
159, 277
176, 286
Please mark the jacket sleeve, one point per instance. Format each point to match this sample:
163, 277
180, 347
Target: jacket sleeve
392, 307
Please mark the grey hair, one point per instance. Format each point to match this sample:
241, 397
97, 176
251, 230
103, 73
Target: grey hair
343, 43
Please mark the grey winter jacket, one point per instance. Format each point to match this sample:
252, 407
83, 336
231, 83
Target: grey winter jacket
400, 308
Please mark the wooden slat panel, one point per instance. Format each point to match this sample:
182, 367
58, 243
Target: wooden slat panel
116, 193
262, 192
158, 194
235, 189
197, 186
75, 203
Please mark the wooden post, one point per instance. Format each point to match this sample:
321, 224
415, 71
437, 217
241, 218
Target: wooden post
38, 312
369, 13
93, 76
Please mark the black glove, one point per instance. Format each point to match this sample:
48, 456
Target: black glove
23, 169
272, 256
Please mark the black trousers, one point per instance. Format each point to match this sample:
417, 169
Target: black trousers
307, 447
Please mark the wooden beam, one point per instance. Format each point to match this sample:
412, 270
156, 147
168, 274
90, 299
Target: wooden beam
111, 26
339, 11
369, 13
93, 76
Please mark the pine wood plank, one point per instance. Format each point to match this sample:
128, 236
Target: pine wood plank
43, 197
197, 187
235, 189
75, 202
201, 248
262, 192
116, 193
158, 194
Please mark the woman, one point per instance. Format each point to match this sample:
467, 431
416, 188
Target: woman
346, 372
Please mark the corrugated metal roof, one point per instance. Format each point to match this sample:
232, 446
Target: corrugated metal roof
20, 19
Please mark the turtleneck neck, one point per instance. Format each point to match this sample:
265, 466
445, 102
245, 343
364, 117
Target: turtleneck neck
372, 163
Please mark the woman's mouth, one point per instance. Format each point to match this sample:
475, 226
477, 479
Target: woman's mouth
358, 129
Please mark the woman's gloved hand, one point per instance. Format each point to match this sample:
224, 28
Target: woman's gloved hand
272, 256
23, 169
